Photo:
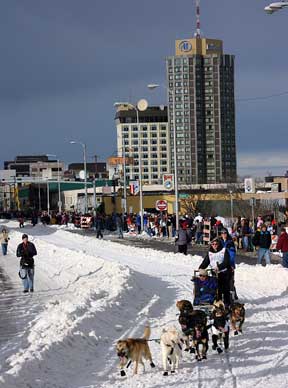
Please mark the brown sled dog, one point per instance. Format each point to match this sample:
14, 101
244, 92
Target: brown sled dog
184, 306
237, 317
133, 349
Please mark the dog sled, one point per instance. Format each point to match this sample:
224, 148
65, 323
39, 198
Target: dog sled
205, 289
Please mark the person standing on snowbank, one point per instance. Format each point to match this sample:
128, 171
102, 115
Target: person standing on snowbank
26, 250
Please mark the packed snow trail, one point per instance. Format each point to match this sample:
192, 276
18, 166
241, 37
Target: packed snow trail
148, 283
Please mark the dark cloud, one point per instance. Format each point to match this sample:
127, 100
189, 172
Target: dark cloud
65, 62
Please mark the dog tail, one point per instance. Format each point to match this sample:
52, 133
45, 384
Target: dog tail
147, 332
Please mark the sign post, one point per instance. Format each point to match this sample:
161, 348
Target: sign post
161, 205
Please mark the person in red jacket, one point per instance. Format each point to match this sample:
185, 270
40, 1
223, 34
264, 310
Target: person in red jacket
282, 245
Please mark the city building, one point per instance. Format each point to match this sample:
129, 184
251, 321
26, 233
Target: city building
35, 167
96, 170
150, 142
200, 79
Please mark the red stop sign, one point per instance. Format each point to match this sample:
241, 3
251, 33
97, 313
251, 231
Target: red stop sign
161, 205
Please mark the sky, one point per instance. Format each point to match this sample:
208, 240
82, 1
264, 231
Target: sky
65, 62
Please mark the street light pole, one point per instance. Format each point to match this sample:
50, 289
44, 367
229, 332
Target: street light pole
172, 93
140, 172
85, 170
231, 205
124, 175
39, 189
59, 189
48, 198
252, 201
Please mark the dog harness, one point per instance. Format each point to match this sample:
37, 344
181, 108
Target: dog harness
173, 347
219, 326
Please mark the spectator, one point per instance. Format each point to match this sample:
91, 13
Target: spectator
21, 220
246, 234
4, 238
199, 232
183, 238
119, 225
169, 227
282, 245
99, 225
262, 239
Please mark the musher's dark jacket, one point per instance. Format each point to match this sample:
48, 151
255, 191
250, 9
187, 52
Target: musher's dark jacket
26, 252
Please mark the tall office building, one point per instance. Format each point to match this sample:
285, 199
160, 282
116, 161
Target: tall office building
149, 140
201, 107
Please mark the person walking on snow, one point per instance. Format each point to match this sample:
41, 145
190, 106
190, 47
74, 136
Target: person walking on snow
26, 250
4, 238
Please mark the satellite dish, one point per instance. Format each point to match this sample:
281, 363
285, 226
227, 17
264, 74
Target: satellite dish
162, 107
142, 105
82, 174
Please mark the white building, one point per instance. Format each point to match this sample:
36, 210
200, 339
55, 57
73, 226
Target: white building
150, 141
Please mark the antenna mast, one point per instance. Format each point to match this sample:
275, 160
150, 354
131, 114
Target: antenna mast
198, 31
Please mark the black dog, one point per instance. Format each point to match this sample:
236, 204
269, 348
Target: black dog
200, 340
188, 323
220, 326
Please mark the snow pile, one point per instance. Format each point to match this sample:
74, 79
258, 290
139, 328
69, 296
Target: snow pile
80, 286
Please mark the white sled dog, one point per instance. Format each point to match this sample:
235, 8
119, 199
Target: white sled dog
171, 342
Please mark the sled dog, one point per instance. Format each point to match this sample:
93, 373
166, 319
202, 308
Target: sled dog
237, 317
133, 350
171, 346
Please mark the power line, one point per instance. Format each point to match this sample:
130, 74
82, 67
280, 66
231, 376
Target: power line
262, 97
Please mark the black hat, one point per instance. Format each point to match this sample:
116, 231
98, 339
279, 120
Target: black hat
24, 236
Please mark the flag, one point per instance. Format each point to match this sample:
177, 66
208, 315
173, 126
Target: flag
134, 187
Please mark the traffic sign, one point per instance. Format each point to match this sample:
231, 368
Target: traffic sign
168, 181
161, 205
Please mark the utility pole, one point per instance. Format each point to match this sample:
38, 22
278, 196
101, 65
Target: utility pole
94, 185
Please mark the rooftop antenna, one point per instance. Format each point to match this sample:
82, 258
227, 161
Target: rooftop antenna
198, 31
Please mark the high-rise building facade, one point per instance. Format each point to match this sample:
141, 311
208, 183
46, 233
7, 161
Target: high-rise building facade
148, 141
201, 107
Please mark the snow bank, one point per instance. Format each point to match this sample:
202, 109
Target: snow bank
80, 286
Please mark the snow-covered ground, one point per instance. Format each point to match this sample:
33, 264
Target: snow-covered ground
89, 293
